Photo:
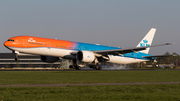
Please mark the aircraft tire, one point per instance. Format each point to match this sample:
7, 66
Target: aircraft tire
98, 67
71, 67
77, 67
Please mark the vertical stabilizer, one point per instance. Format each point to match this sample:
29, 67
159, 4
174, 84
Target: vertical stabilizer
147, 40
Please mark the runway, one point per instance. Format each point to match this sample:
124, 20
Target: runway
90, 70
87, 84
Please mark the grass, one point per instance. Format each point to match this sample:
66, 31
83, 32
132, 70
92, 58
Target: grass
159, 92
59, 77
93, 93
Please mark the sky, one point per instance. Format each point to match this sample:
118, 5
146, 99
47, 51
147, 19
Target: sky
121, 23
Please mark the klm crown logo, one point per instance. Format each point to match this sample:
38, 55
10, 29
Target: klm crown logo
145, 43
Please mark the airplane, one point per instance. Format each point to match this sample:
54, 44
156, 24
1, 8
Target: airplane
51, 50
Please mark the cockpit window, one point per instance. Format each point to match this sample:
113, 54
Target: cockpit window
10, 40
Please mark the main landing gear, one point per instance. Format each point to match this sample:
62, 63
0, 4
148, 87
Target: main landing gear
95, 66
74, 65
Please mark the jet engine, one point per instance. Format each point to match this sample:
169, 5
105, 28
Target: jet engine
85, 56
49, 59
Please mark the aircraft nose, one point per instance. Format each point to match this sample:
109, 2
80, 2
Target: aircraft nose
7, 43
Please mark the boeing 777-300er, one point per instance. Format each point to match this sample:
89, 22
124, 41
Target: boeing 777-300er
51, 50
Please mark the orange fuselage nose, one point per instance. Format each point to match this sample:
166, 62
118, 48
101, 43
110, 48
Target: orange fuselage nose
12, 44
8, 43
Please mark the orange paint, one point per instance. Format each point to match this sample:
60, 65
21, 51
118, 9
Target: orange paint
32, 42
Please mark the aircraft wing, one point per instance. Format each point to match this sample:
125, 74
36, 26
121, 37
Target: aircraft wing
120, 51
126, 50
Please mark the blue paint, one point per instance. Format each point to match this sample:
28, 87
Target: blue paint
145, 43
94, 47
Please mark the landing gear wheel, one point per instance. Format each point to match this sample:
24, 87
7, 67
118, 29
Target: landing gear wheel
98, 67
77, 67
71, 67
16, 58
74, 65
92, 66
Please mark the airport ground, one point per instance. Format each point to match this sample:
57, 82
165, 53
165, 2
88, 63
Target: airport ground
162, 85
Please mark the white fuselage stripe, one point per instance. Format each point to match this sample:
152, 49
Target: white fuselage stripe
57, 52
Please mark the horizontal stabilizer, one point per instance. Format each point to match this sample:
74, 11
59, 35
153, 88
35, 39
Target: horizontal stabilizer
162, 44
154, 56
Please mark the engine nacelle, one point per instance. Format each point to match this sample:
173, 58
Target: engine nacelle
85, 56
49, 59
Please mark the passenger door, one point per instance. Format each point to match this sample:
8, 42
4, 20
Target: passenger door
25, 42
